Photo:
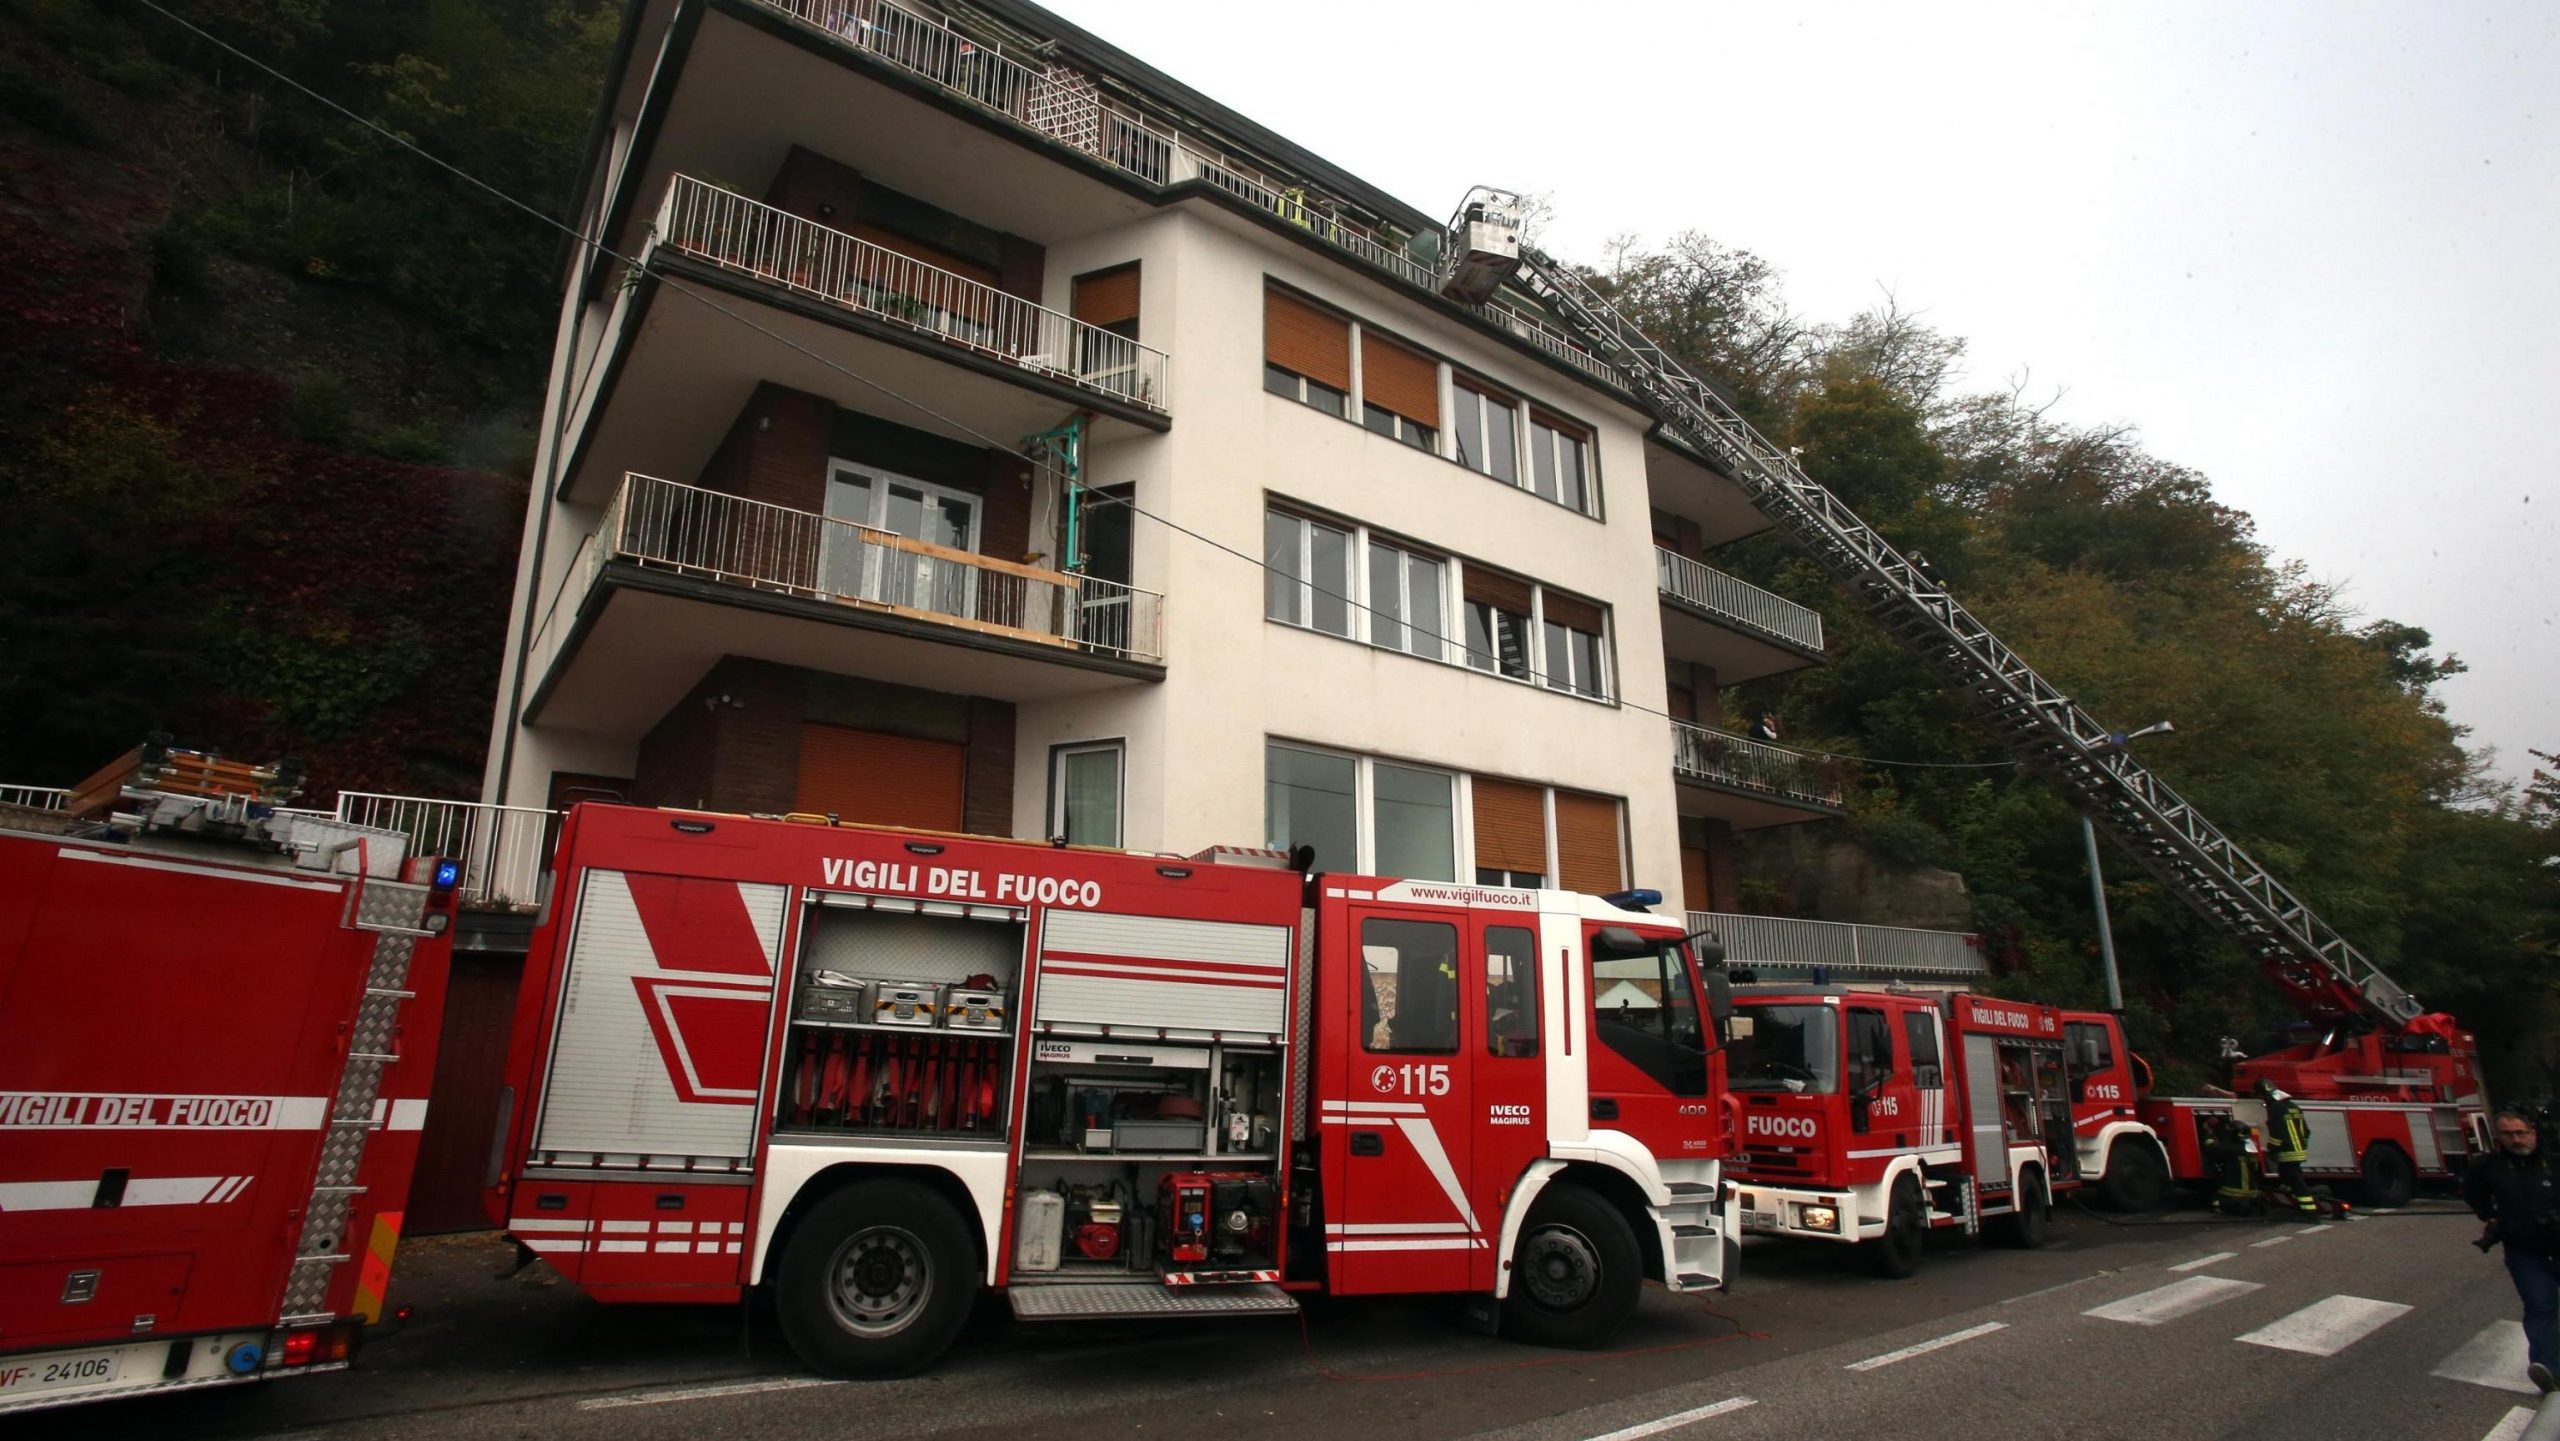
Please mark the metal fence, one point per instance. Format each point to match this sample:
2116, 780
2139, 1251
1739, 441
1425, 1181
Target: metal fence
1735, 600
36, 798
1848, 952
505, 851
736, 233
1721, 757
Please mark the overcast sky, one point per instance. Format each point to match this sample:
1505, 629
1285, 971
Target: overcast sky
2311, 250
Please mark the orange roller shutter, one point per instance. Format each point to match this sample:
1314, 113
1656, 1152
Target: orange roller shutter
1588, 854
1568, 610
1496, 589
1107, 298
1297, 336
881, 779
1511, 827
1397, 379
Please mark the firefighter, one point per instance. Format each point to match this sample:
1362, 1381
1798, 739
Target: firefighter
2516, 1191
2288, 1146
2226, 1156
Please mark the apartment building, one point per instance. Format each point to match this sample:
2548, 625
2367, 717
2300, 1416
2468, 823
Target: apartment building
967, 426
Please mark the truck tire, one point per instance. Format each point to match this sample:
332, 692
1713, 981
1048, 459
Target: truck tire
2390, 1180
876, 1280
2025, 1227
1575, 1273
1896, 1253
2137, 1176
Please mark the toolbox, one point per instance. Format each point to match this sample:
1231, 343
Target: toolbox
907, 1003
973, 1010
833, 996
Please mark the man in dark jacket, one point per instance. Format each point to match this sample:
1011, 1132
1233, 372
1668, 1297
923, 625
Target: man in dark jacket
2516, 1191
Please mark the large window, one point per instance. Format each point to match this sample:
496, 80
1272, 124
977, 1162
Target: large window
1486, 429
1085, 794
1307, 573
1560, 462
1306, 353
1406, 597
1498, 633
1371, 816
1784, 1048
1644, 1008
1572, 629
1411, 971
1510, 991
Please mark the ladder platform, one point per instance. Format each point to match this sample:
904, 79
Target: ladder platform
1143, 1300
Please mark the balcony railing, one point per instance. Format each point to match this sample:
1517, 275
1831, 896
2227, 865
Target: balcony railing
505, 851
1722, 758
36, 798
735, 233
687, 530
1744, 604
1847, 951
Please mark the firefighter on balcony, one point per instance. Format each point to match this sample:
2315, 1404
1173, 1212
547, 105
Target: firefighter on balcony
2288, 1146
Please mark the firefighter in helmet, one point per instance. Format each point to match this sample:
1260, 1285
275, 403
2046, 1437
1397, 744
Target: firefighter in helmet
2226, 1158
2288, 1145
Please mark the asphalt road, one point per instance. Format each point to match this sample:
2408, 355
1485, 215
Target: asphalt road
2170, 1327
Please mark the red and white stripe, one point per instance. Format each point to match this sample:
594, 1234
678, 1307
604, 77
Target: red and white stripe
82, 1195
568, 1236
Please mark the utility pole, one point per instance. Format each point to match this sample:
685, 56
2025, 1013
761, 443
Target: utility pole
2116, 743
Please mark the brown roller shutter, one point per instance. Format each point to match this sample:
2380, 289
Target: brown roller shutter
1696, 892
881, 779
1107, 297
1511, 826
1495, 589
1572, 610
1588, 858
1297, 336
1397, 379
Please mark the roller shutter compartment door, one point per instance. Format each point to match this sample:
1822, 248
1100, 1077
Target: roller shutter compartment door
876, 779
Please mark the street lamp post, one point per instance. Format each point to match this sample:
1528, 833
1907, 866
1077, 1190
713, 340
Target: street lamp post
2116, 741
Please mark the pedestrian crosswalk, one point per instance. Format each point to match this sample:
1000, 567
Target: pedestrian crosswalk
2327, 1327
2493, 1358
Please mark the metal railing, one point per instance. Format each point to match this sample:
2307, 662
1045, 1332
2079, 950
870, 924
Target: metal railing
735, 541
505, 851
36, 798
736, 233
1723, 758
1739, 601
1847, 951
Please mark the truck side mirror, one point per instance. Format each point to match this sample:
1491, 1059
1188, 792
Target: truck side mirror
1719, 999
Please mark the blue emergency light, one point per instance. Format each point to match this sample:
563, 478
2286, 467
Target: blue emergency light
1634, 900
448, 875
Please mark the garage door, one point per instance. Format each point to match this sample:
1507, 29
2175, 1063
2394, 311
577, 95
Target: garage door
879, 779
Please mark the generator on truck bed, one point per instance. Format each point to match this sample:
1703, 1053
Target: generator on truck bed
873, 1071
218, 1021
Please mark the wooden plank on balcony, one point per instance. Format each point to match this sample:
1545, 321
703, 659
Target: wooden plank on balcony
971, 558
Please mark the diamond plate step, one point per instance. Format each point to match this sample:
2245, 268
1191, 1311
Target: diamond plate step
1138, 1300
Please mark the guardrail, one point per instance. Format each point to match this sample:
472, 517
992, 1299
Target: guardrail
1723, 758
505, 851
36, 798
1739, 601
1847, 951
735, 233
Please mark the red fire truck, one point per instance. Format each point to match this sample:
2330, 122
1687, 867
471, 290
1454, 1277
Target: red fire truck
217, 1030
874, 1070
1875, 1116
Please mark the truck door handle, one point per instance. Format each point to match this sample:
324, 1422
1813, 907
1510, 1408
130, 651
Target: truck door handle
1368, 1143
1604, 1110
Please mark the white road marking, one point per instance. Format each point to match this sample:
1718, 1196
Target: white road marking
2200, 1262
2049, 1290
1676, 1420
2494, 1358
699, 1393
2275, 1240
1925, 1347
2168, 1303
2511, 1426
2327, 1327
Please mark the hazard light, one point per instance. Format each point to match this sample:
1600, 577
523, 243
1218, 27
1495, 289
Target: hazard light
448, 875
1638, 900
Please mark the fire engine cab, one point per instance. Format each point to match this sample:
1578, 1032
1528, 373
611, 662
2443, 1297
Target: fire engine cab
873, 1071
218, 1023
1874, 1117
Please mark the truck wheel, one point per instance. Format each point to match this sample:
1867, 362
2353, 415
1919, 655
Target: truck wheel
1575, 1274
1896, 1253
2137, 1177
2390, 1181
877, 1280
2025, 1227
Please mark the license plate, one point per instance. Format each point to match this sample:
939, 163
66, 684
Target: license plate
1761, 1218
48, 1373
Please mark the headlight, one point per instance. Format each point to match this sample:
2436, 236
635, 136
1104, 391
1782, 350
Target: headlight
1818, 1218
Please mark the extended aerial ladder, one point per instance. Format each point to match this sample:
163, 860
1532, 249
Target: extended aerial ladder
2325, 975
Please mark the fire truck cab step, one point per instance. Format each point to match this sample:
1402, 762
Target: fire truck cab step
1689, 1188
1141, 1300
1685, 1231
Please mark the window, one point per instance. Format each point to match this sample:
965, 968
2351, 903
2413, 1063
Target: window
1560, 463
1498, 609
1307, 575
1405, 601
1306, 353
1085, 794
1411, 972
2092, 1037
1107, 300
1644, 1008
1510, 991
1784, 1048
1870, 1050
853, 560
1572, 628
1399, 391
1920, 1038
1486, 432
1361, 814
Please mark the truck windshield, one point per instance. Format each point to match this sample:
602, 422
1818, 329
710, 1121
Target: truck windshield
1646, 1010
1784, 1048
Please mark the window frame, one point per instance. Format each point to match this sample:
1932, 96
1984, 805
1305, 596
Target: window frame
1561, 678
1118, 748
1528, 1015
1457, 993
1303, 584
1486, 397
1408, 559
1559, 430
1302, 390
1364, 804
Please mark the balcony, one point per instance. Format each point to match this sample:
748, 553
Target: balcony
677, 576
1750, 783
1744, 632
1844, 952
748, 237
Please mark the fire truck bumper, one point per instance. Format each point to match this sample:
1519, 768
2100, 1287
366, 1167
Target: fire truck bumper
34, 1380
1777, 1211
